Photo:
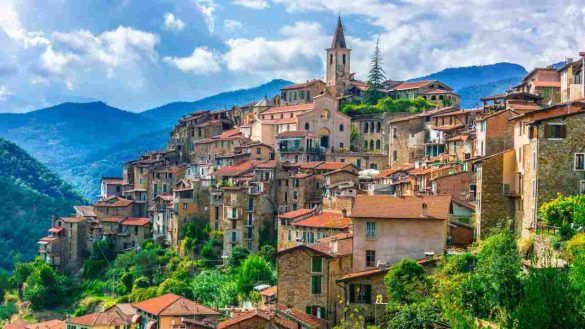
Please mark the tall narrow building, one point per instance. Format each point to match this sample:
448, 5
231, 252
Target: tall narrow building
338, 59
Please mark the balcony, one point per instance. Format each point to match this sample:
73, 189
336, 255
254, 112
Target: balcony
510, 190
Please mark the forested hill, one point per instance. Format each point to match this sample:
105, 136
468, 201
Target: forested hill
29, 195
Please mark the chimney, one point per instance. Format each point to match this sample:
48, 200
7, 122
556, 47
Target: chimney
424, 210
333, 245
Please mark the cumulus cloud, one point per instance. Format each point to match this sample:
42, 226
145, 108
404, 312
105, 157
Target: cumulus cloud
231, 24
119, 52
10, 24
173, 23
423, 36
202, 61
253, 4
207, 9
296, 56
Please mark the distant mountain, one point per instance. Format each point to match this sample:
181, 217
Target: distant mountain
169, 114
475, 82
29, 194
61, 135
84, 141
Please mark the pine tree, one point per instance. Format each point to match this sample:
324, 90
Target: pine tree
376, 77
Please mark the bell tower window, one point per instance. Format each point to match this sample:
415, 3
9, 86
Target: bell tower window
330, 58
343, 59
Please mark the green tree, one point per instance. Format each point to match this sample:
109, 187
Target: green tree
215, 289
376, 77
176, 286
237, 256
407, 282
45, 288
253, 271
565, 212
268, 253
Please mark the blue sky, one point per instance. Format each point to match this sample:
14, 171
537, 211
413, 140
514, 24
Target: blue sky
137, 54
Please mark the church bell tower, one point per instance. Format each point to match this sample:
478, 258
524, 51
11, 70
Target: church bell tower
338, 59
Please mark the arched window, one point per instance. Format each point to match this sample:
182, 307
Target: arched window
324, 114
343, 59
366, 144
378, 127
372, 144
306, 126
433, 97
378, 146
372, 127
341, 127
365, 127
331, 59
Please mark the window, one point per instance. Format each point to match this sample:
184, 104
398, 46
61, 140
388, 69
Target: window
331, 59
555, 131
533, 160
317, 311
371, 230
579, 161
289, 235
258, 150
366, 129
360, 293
582, 187
295, 195
234, 236
394, 155
317, 264
341, 145
341, 127
316, 284
378, 144
306, 126
370, 258
534, 188
343, 59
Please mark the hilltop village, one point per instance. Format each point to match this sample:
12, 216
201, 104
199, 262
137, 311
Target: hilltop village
342, 195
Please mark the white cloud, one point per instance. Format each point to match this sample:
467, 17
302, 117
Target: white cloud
173, 23
253, 4
11, 25
118, 53
4, 93
207, 9
231, 24
297, 56
422, 36
202, 61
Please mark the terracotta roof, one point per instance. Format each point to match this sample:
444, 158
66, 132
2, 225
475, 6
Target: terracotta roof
325, 219
239, 317
296, 315
296, 213
56, 229
387, 173
110, 318
447, 127
136, 221
391, 207
336, 171
311, 165
236, 170
289, 108
50, 324
295, 133
302, 84
48, 239
72, 219
344, 248
18, 324
378, 270
338, 236
412, 85
171, 304
269, 291
164, 197
267, 164
114, 202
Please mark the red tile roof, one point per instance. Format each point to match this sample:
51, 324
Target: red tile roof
296, 213
48, 239
267, 164
238, 319
171, 304
136, 221
289, 108
325, 219
236, 170
412, 85
112, 219
387, 173
111, 318
271, 291
56, 229
50, 324
391, 207
554, 84
296, 315
114, 202
72, 219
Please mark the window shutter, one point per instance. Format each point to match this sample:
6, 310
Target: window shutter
351, 293
368, 293
308, 309
546, 131
563, 131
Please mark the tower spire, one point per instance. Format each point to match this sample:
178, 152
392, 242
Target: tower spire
338, 37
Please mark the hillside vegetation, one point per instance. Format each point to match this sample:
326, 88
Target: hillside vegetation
29, 194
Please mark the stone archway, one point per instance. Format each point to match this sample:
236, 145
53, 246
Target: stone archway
324, 134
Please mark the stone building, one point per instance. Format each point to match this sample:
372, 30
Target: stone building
434, 91
297, 190
545, 82
300, 93
312, 270
308, 226
387, 229
572, 77
298, 146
